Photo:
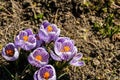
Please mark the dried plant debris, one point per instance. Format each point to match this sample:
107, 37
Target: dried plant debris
93, 24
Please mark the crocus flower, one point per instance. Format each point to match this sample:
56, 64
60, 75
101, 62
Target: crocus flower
76, 60
48, 32
39, 57
10, 52
46, 72
25, 39
65, 50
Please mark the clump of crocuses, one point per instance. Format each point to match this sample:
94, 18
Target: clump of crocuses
44, 47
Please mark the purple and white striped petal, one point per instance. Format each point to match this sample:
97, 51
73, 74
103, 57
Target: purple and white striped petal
43, 35
55, 57
22, 34
45, 23
76, 60
62, 39
77, 63
29, 31
78, 56
36, 76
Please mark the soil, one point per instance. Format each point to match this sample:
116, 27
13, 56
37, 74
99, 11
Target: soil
75, 18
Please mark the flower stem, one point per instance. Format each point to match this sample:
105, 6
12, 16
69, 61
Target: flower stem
8, 72
25, 69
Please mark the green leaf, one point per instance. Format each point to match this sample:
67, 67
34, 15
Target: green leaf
40, 16
62, 75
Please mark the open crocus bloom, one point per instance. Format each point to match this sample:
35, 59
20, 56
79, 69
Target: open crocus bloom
46, 72
39, 57
10, 52
65, 50
48, 32
26, 40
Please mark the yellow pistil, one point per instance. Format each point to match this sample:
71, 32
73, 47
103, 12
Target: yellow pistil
38, 57
65, 49
49, 28
25, 38
10, 52
46, 75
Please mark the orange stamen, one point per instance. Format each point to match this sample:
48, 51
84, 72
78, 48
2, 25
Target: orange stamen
65, 49
25, 38
38, 58
10, 52
46, 75
49, 28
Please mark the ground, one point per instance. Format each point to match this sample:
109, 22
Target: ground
76, 19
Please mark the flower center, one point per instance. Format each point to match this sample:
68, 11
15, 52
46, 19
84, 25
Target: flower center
10, 52
25, 38
38, 57
66, 49
49, 28
46, 75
